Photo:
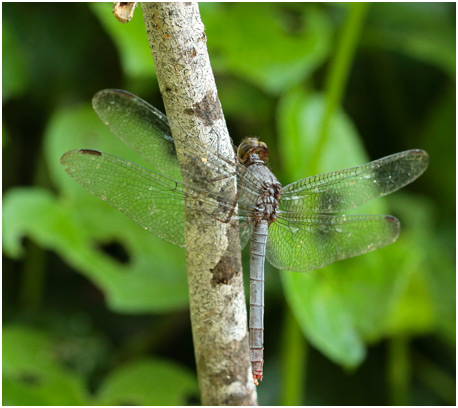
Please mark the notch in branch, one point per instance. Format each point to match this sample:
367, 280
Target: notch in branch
124, 11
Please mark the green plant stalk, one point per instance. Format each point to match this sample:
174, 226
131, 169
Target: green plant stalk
294, 345
33, 277
338, 73
31, 291
294, 361
398, 370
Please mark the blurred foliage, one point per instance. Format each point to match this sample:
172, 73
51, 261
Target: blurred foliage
34, 370
327, 86
77, 225
293, 52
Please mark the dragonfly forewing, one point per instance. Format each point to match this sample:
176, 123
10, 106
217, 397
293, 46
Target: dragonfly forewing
150, 199
141, 127
144, 196
346, 189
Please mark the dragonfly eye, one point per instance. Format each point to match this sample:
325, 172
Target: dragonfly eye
262, 151
250, 146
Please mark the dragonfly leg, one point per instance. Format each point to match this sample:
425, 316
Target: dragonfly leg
221, 157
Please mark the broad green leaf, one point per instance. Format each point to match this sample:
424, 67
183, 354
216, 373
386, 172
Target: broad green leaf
130, 39
26, 210
32, 373
148, 382
350, 302
323, 317
77, 223
264, 44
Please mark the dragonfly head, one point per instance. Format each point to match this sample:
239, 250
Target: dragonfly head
252, 150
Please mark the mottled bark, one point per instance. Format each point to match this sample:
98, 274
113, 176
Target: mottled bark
217, 302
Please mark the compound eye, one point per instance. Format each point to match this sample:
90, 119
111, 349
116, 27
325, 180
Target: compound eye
262, 151
246, 148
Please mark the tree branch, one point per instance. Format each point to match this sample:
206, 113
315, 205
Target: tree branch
217, 302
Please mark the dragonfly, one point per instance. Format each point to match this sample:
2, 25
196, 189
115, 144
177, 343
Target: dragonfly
298, 227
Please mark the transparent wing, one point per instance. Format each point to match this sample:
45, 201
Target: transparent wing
149, 132
245, 225
345, 189
150, 199
141, 127
304, 242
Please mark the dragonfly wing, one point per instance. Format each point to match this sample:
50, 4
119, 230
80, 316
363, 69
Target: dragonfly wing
141, 127
149, 132
153, 201
345, 189
304, 242
245, 228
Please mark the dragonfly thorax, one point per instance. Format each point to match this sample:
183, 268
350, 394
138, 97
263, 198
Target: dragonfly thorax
267, 209
267, 206
253, 154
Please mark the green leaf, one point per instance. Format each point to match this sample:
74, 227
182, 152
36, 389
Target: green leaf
77, 224
323, 316
26, 209
265, 49
352, 301
32, 373
130, 39
148, 382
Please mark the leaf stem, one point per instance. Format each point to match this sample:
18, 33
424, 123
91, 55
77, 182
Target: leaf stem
294, 362
33, 277
31, 292
338, 73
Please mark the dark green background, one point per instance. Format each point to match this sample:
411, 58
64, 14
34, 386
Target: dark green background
95, 309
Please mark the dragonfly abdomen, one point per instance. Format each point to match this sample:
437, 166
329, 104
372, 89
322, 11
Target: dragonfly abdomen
257, 257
